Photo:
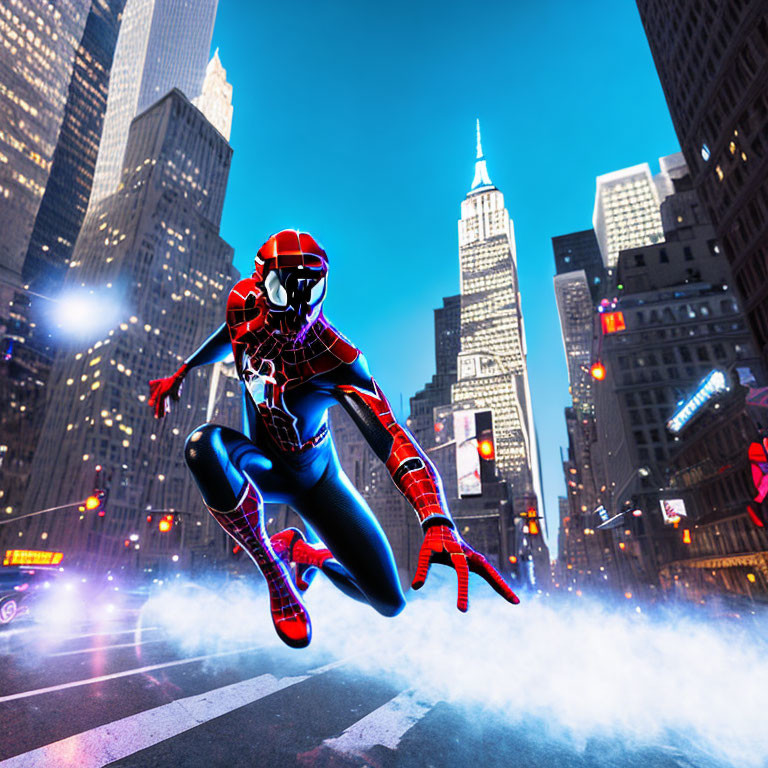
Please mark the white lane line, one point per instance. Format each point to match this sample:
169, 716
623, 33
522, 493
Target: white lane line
106, 648
125, 673
121, 738
385, 726
109, 633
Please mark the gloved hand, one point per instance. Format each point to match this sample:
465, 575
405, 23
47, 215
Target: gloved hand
160, 390
442, 544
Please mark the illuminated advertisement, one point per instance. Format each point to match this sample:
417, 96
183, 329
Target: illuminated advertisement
715, 383
612, 322
467, 456
602, 513
672, 510
475, 450
31, 557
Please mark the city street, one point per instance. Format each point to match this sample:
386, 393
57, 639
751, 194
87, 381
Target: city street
131, 692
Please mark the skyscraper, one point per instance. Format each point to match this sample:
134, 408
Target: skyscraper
626, 212
492, 369
163, 44
38, 41
46, 226
712, 61
578, 286
580, 251
68, 189
154, 247
438, 391
576, 310
215, 100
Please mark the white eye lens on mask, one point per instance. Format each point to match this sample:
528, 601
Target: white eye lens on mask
318, 291
275, 291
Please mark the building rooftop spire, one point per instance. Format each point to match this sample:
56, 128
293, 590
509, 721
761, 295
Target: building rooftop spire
481, 172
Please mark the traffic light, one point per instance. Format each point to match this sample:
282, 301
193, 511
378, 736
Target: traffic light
597, 371
96, 502
165, 524
485, 449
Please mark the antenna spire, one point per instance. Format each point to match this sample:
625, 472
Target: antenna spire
481, 178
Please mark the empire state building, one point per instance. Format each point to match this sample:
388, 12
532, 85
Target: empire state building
492, 369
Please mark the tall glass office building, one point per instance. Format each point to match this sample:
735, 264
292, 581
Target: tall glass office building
163, 44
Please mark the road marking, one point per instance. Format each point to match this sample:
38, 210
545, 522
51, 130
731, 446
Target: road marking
385, 726
106, 647
109, 634
125, 673
124, 737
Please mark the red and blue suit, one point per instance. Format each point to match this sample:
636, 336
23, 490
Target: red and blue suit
294, 365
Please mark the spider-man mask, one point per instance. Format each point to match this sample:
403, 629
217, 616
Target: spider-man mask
293, 269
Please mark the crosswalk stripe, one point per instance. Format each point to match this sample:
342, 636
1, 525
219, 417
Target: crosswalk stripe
124, 737
125, 673
385, 726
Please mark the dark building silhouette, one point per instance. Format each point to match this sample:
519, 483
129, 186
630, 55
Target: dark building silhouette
438, 391
712, 60
580, 250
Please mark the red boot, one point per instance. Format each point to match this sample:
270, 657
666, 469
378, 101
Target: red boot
291, 547
245, 524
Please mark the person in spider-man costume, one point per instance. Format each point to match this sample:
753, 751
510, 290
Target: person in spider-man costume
294, 365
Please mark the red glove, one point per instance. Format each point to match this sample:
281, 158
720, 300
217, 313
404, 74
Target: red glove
162, 389
442, 544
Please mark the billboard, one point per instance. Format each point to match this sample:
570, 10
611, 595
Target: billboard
672, 510
467, 456
475, 452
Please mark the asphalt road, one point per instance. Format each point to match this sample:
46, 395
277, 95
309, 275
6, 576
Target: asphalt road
114, 694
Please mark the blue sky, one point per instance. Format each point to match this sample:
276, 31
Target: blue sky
355, 121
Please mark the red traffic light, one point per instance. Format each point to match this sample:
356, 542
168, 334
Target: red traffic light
533, 527
93, 502
165, 524
485, 449
597, 371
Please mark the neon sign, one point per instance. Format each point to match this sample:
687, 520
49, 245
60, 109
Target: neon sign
713, 384
31, 557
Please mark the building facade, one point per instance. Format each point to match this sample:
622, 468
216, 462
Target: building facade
438, 391
38, 45
724, 551
154, 248
626, 212
26, 350
712, 60
68, 188
163, 44
679, 321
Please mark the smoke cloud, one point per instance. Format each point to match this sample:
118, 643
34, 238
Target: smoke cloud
582, 669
